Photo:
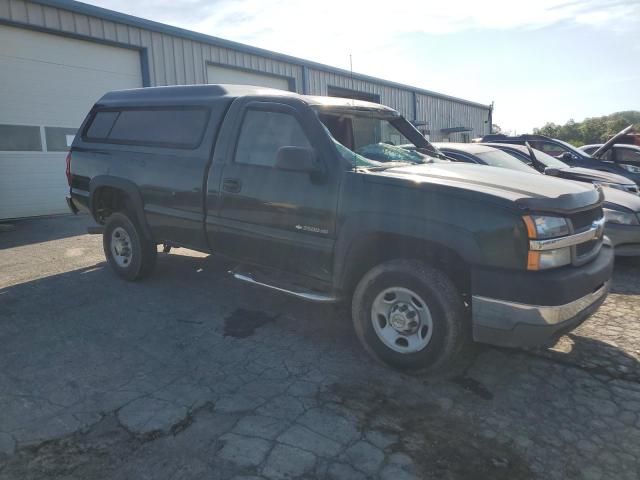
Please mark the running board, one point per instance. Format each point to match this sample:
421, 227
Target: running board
304, 294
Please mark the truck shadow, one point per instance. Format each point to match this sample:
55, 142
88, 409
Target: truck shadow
593, 355
626, 276
17, 233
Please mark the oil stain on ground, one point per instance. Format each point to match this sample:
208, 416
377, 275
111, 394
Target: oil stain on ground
243, 323
441, 446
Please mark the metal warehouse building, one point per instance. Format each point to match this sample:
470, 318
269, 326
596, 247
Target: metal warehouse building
57, 57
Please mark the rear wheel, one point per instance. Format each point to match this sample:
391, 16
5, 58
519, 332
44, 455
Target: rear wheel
129, 253
409, 315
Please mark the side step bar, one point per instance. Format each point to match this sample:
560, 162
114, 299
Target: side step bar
304, 294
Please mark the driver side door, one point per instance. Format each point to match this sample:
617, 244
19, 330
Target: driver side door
268, 216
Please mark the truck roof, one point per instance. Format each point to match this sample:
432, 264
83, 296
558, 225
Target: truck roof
209, 94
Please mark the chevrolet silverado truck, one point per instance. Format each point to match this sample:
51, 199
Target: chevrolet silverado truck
311, 196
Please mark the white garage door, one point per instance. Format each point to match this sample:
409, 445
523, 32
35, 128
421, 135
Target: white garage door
218, 74
48, 83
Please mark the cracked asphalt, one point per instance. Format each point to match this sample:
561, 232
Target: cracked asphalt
191, 374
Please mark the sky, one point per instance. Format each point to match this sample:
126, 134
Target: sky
538, 60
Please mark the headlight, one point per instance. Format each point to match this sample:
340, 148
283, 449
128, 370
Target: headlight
619, 217
541, 227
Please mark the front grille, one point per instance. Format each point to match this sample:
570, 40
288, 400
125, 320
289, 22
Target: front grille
582, 221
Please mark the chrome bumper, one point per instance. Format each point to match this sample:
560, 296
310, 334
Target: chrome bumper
500, 322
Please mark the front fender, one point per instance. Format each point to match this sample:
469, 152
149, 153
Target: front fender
364, 225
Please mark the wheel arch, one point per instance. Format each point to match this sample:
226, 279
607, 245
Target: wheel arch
369, 249
116, 194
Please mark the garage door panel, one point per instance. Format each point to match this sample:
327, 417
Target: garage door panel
53, 94
37, 185
51, 81
219, 74
55, 49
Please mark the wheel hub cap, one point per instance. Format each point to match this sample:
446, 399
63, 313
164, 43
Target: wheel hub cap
402, 320
121, 247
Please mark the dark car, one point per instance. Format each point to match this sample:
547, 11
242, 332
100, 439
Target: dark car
625, 155
563, 151
545, 163
283, 186
621, 209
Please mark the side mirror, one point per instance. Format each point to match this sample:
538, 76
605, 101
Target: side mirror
296, 159
551, 171
567, 157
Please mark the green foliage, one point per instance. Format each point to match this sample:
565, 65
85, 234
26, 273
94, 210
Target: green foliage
591, 130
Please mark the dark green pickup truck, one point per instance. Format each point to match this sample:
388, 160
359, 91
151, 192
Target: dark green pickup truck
310, 196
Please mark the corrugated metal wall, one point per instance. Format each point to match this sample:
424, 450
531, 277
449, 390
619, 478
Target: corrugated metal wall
401, 100
441, 113
174, 60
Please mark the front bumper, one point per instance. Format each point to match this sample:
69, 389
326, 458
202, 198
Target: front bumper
530, 325
625, 238
536, 308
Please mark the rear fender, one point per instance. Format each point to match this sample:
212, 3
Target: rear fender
130, 189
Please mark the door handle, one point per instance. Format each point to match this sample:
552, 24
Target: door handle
231, 185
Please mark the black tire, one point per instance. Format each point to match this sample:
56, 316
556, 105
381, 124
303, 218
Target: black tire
447, 313
143, 252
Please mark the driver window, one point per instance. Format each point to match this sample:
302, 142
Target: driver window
263, 133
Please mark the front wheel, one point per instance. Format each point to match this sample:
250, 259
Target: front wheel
409, 315
129, 253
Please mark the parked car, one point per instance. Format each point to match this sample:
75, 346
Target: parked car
545, 163
625, 155
280, 184
621, 209
563, 151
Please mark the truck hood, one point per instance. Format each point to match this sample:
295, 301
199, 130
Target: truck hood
589, 175
528, 191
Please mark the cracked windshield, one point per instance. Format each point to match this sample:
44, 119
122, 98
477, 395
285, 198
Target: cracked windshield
370, 140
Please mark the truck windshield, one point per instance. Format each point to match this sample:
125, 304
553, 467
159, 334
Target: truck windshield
372, 139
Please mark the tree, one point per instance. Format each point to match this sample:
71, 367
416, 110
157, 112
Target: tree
591, 130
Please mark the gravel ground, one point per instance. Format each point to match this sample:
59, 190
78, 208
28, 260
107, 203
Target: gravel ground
190, 374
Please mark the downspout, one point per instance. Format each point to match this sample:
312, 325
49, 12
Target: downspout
490, 118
